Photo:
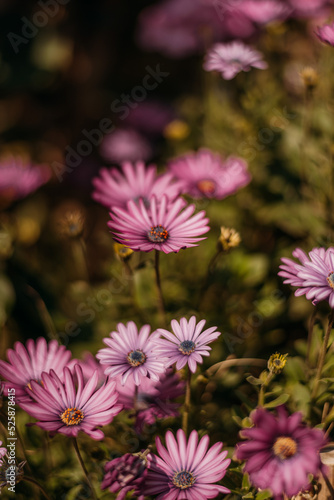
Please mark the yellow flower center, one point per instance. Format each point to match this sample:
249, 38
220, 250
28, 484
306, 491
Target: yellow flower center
285, 447
206, 186
72, 416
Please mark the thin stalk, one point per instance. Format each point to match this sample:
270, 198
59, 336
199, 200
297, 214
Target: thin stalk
33, 481
323, 354
77, 451
223, 365
186, 407
44, 314
310, 334
263, 388
161, 304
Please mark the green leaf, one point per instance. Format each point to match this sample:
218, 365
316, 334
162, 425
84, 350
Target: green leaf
245, 482
253, 380
263, 495
248, 495
278, 401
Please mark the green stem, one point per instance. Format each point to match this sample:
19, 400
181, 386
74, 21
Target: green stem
33, 481
161, 304
77, 451
310, 334
263, 389
186, 408
322, 356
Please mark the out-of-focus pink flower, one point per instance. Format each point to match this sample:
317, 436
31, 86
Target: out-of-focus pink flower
150, 117
326, 34
264, 11
229, 59
125, 145
310, 8
18, 179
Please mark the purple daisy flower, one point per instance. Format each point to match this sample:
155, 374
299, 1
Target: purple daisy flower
61, 407
231, 58
125, 474
130, 352
28, 363
326, 34
18, 179
186, 471
114, 188
205, 174
152, 400
281, 452
314, 276
158, 227
188, 343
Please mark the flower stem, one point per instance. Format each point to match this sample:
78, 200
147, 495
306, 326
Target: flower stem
310, 334
263, 387
33, 481
161, 304
77, 451
322, 356
186, 408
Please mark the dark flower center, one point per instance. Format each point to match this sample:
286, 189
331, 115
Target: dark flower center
72, 416
330, 279
136, 358
285, 447
206, 186
183, 479
187, 347
157, 234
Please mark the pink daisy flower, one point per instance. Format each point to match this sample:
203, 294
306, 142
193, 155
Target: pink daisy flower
3, 452
28, 363
280, 452
205, 174
18, 179
314, 276
186, 470
67, 409
114, 188
153, 400
187, 343
125, 145
231, 58
126, 474
264, 11
158, 227
130, 352
326, 34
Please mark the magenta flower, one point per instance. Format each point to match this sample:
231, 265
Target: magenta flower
28, 363
231, 58
114, 188
61, 407
326, 34
130, 352
158, 227
186, 471
314, 276
264, 11
280, 452
205, 174
89, 365
3, 453
188, 343
126, 474
153, 400
125, 145
18, 179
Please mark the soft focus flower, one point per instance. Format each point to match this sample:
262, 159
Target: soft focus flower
229, 238
205, 174
28, 363
3, 452
114, 188
126, 474
150, 117
187, 344
277, 362
61, 407
186, 470
326, 34
264, 11
125, 145
18, 179
314, 276
310, 77
152, 400
231, 58
176, 130
130, 352
280, 452
122, 251
89, 365
158, 227
310, 8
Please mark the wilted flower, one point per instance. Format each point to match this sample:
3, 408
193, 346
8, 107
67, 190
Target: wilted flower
280, 452
277, 362
206, 174
187, 344
231, 58
310, 77
72, 223
131, 353
186, 470
229, 238
122, 251
61, 407
126, 474
10, 473
158, 227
